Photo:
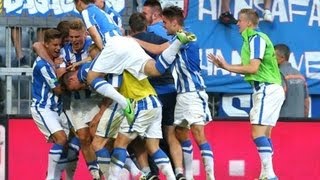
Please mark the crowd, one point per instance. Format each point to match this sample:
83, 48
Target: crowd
113, 97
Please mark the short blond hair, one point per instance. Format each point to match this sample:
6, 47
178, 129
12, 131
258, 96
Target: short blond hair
251, 15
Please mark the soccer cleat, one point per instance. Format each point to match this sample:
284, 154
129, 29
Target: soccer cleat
129, 111
185, 37
227, 18
95, 174
180, 177
150, 176
267, 15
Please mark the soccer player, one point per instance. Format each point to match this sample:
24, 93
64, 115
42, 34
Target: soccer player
46, 104
108, 8
191, 95
99, 24
164, 86
153, 12
109, 118
260, 69
80, 106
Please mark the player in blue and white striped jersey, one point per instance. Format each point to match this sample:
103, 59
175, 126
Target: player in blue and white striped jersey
108, 8
46, 104
99, 24
191, 110
76, 103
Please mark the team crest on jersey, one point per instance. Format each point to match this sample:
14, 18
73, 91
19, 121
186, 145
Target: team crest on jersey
52, 81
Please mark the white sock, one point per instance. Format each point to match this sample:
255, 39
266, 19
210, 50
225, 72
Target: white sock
187, 150
131, 166
163, 163
207, 157
146, 170
178, 171
268, 165
55, 153
107, 90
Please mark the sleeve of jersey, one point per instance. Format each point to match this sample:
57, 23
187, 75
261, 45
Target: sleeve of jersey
49, 76
257, 47
161, 64
86, 18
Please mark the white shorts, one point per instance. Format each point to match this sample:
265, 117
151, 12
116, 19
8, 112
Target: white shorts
192, 109
48, 121
82, 111
119, 54
147, 122
267, 102
110, 121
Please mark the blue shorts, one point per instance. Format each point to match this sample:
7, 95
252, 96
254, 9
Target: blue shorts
168, 104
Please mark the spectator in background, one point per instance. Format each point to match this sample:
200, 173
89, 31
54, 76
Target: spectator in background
267, 15
297, 98
260, 69
227, 18
16, 37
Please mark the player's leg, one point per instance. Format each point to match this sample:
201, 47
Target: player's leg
132, 168
56, 151
267, 102
107, 128
153, 133
182, 135
205, 149
102, 154
73, 153
159, 157
81, 113
170, 143
100, 85
87, 151
49, 123
137, 147
119, 154
175, 150
192, 110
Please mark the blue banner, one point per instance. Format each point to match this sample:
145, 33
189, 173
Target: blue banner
296, 23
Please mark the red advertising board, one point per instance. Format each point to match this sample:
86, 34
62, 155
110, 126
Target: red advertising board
296, 156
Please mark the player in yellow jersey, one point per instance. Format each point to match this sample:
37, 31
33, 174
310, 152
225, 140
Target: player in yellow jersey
146, 123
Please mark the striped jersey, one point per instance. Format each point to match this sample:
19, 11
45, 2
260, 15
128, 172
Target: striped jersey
44, 80
187, 71
70, 56
114, 80
116, 17
94, 16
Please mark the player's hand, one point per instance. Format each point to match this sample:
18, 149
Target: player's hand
217, 60
73, 66
94, 123
58, 60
